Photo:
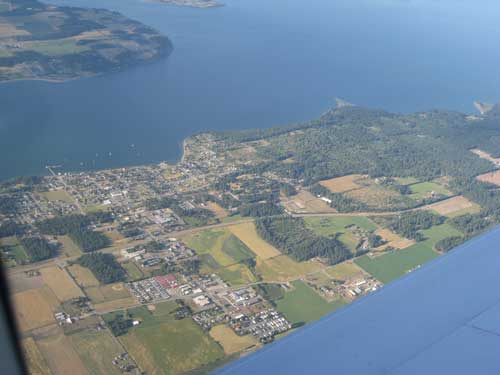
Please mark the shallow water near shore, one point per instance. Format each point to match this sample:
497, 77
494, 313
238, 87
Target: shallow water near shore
252, 63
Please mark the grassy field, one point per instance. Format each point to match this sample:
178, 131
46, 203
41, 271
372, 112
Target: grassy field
96, 349
58, 195
304, 305
393, 240
423, 189
236, 249
133, 271
56, 47
406, 180
381, 198
342, 184
83, 276
230, 341
69, 248
61, 355
455, 206
237, 274
344, 271
171, 346
345, 226
34, 359
61, 284
284, 268
34, 308
247, 233
107, 293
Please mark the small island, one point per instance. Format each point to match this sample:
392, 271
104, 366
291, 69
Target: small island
47, 42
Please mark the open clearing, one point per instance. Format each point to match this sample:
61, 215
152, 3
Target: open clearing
83, 276
484, 155
106, 293
218, 211
284, 268
344, 271
19, 282
118, 304
304, 201
230, 341
69, 248
396, 263
427, 189
60, 355
393, 240
96, 349
61, 284
303, 304
171, 347
58, 195
34, 308
342, 184
491, 177
34, 359
133, 271
247, 233
455, 206
381, 198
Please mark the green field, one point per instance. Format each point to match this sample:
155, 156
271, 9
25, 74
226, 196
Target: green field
304, 305
56, 47
222, 252
133, 271
406, 180
421, 190
343, 225
162, 346
12, 249
96, 349
394, 264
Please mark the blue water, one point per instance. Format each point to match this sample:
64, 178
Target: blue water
253, 63
443, 318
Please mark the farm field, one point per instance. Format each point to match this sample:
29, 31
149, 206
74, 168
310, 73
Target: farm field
107, 293
455, 206
342, 184
247, 233
69, 248
61, 284
171, 347
35, 362
118, 304
14, 249
133, 271
393, 240
219, 212
378, 197
83, 276
303, 305
304, 201
284, 268
237, 274
61, 355
230, 341
406, 180
96, 349
394, 264
425, 189
344, 271
34, 308
491, 177
20, 282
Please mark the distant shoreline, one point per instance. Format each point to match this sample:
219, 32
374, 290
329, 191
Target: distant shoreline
200, 4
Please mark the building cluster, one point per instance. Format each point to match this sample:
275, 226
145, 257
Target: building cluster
351, 289
148, 290
263, 325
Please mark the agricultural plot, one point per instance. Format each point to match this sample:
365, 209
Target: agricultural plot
394, 264
284, 268
218, 211
61, 355
303, 305
304, 201
247, 233
14, 253
393, 240
118, 304
454, 207
381, 198
424, 190
83, 276
133, 271
20, 282
107, 293
347, 227
61, 284
343, 184
171, 347
230, 341
406, 180
491, 177
237, 274
344, 271
69, 248
35, 362
96, 349
34, 308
